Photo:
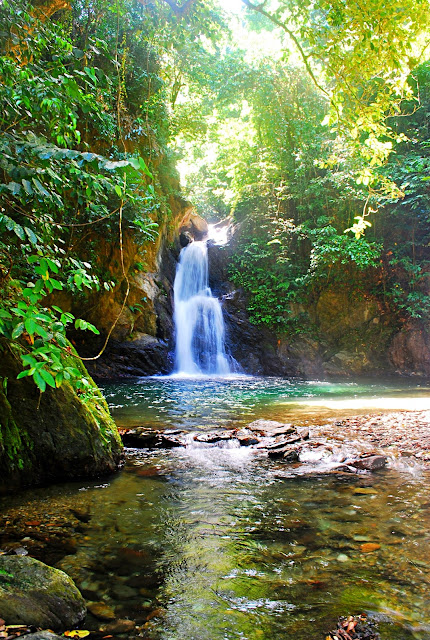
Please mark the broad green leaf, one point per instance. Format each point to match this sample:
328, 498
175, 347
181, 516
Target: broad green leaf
144, 167
24, 374
31, 235
40, 382
18, 330
40, 188
30, 326
48, 377
19, 231
52, 265
56, 284
27, 187
15, 188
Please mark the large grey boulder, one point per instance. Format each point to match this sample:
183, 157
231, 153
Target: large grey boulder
32, 593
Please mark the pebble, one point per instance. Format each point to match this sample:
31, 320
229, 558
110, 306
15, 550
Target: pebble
101, 610
342, 557
118, 626
369, 547
365, 491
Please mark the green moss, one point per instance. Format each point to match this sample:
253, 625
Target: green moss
94, 401
60, 434
12, 441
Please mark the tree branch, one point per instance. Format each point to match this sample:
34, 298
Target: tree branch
305, 58
180, 11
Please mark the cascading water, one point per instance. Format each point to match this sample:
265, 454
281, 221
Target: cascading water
198, 317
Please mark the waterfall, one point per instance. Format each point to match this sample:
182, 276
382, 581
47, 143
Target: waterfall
198, 317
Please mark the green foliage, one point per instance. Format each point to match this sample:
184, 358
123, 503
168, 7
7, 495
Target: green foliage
282, 266
360, 57
292, 150
407, 230
53, 189
329, 249
299, 156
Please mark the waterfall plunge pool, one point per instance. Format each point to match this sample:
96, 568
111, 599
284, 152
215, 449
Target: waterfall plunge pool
203, 402
208, 544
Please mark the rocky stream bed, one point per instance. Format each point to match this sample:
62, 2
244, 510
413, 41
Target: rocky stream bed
123, 591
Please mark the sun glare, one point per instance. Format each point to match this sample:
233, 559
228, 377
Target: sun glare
232, 6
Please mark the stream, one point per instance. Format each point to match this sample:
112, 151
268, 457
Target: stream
209, 543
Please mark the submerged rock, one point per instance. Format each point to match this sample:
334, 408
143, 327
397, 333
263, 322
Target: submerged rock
43, 635
101, 610
354, 628
32, 593
119, 626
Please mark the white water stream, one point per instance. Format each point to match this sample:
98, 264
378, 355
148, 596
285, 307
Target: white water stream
198, 317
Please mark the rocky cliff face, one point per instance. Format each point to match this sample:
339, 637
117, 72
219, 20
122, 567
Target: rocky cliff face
351, 335
142, 340
409, 350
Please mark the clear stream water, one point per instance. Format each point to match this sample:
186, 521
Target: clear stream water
204, 403
207, 543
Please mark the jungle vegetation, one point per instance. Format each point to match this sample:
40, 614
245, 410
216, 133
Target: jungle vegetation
306, 122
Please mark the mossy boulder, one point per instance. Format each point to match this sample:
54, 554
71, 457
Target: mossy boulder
32, 593
54, 436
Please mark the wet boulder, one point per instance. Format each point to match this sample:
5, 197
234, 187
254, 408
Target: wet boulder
214, 436
147, 438
172, 440
32, 593
55, 436
246, 438
370, 463
291, 454
140, 438
288, 453
185, 238
194, 225
271, 428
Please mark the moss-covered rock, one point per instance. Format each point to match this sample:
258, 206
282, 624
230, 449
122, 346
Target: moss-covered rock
54, 436
32, 593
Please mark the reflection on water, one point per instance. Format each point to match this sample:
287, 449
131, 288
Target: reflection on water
207, 403
207, 544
